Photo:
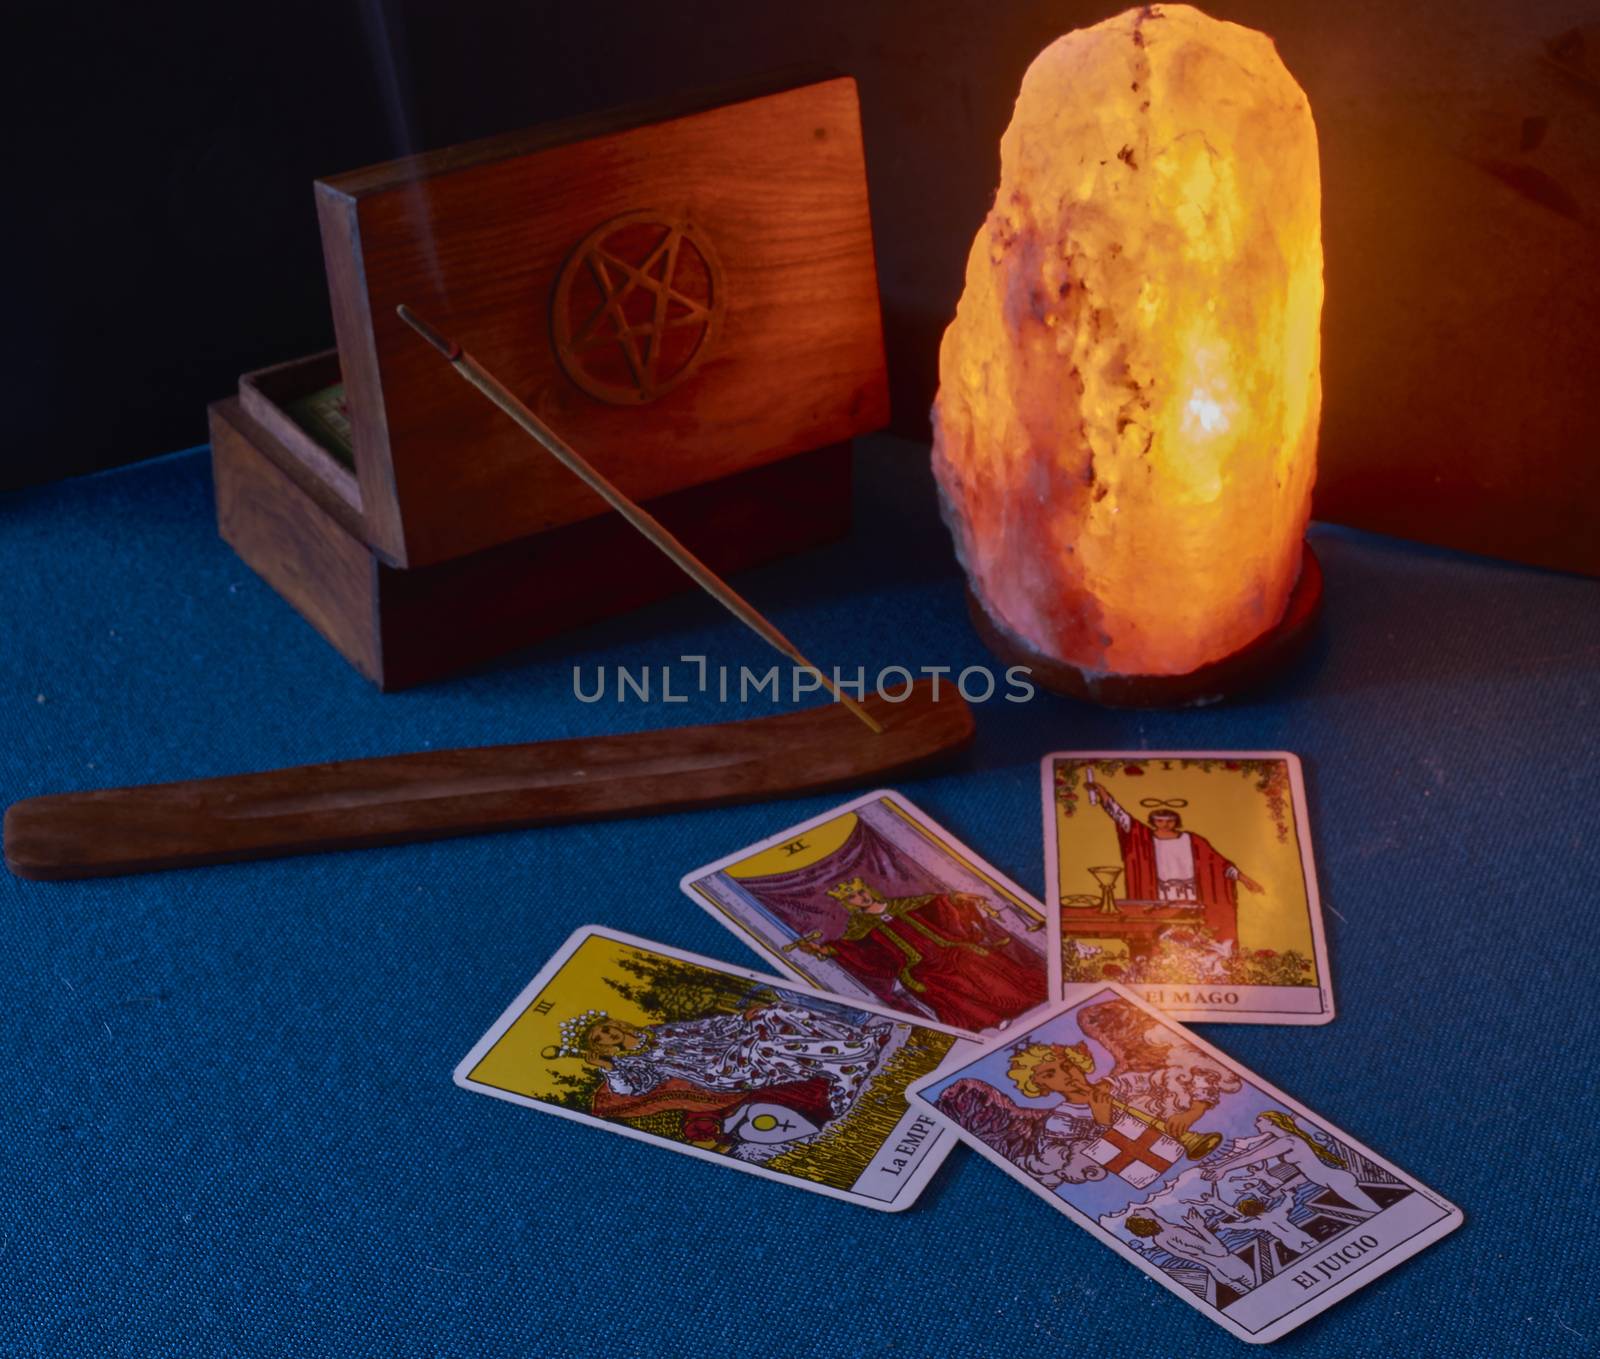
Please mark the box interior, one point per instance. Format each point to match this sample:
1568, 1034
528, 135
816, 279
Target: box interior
325, 417
302, 403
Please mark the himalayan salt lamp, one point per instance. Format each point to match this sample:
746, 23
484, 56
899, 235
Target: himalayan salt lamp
1126, 426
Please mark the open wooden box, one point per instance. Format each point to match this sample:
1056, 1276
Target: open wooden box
687, 296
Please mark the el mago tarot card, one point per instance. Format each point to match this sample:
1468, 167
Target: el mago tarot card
874, 899
1188, 877
1247, 1205
738, 1069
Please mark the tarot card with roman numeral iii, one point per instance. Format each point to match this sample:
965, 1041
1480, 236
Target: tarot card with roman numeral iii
1240, 1200
737, 1069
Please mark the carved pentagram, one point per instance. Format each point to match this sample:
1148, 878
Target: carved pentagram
636, 307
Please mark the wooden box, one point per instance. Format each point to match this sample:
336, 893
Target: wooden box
689, 298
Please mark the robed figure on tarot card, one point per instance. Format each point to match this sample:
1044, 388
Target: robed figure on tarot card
1163, 863
942, 947
876, 900
812, 1065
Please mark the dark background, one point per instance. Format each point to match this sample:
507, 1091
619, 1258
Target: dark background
162, 157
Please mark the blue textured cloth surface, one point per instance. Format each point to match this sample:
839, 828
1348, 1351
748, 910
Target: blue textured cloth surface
230, 1128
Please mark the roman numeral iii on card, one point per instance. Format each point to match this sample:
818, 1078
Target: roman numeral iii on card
1239, 1199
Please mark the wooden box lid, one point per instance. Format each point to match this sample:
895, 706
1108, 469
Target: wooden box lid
681, 299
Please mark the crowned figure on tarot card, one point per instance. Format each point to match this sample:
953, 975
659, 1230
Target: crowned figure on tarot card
694, 1063
944, 948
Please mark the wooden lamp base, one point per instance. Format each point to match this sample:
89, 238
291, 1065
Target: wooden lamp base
1251, 666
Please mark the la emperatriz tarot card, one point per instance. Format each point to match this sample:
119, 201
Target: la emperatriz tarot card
726, 1065
876, 900
1188, 877
1240, 1200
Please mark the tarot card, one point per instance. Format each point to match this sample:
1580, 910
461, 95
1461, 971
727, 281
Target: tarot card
1235, 1197
1187, 876
875, 900
732, 1067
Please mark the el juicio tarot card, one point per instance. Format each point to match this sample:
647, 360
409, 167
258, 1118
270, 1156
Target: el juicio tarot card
1240, 1200
735, 1068
1188, 877
875, 900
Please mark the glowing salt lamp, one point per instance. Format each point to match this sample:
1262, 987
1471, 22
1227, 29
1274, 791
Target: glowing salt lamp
1126, 427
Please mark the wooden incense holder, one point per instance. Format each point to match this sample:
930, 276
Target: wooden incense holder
1264, 659
388, 800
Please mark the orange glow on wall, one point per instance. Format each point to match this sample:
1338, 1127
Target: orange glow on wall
1126, 425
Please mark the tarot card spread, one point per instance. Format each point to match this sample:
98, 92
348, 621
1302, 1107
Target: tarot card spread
1235, 1197
875, 900
723, 1064
1188, 877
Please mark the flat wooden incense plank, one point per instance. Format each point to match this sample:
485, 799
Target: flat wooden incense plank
392, 799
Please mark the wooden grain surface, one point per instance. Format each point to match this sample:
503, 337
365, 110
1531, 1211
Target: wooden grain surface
402, 628
291, 541
440, 619
399, 798
266, 396
476, 242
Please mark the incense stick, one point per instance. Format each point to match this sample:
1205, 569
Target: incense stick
647, 524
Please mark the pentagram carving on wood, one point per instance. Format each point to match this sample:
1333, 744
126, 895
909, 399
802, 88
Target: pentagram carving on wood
636, 307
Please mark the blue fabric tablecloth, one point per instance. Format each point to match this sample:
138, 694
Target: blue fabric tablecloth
229, 1125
